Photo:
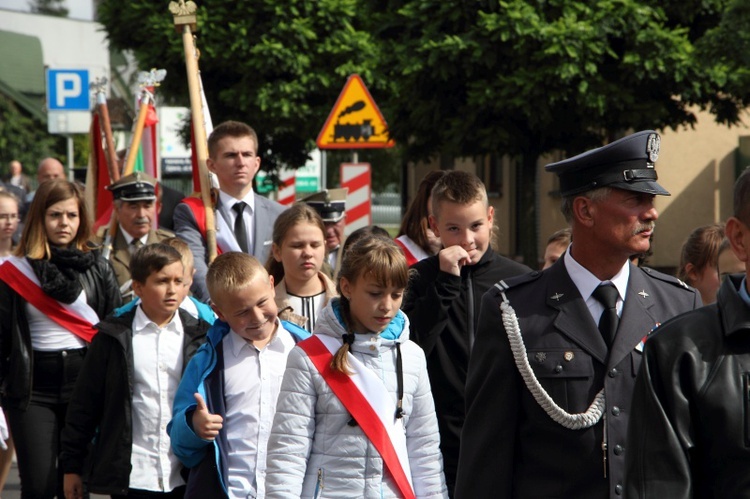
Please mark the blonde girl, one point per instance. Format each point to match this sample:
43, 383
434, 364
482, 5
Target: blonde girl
360, 361
298, 253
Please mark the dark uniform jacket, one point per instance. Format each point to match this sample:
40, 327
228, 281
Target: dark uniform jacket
443, 311
690, 427
101, 404
16, 356
510, 446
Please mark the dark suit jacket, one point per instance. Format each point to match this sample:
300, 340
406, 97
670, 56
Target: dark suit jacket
510, 447
186, 229
170, 198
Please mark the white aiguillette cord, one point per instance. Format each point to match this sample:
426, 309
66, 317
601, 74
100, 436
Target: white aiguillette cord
571, 421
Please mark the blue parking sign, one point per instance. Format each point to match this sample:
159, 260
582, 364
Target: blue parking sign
68, 90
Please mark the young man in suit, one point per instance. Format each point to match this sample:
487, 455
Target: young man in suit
244, 220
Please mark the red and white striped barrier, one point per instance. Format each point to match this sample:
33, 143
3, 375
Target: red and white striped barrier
357, 178
287, 188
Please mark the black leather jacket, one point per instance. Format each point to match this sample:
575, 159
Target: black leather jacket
16, 359
689, 433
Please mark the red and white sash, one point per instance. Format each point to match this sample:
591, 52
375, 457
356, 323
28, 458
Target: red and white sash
367, 400
78, 317
412, 252
225, 240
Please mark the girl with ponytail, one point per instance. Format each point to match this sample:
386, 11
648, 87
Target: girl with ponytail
357, 383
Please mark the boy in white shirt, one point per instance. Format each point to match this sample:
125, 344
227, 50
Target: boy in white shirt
226, 401
123, 396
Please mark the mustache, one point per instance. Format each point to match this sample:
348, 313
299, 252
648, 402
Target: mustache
644, 227
142, 220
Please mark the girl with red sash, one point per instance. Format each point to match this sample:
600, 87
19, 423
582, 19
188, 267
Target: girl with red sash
355, 415
415, 238
52, 293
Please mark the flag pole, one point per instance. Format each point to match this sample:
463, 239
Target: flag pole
109, 144
147, 79
185, 23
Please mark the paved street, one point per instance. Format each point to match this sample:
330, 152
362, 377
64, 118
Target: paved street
13, 487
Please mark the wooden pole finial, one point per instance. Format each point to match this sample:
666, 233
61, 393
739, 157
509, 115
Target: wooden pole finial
184, 14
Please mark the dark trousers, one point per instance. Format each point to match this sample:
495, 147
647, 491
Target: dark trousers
36, 430
177, 493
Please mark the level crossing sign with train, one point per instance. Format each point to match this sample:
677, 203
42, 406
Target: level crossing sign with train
355, 121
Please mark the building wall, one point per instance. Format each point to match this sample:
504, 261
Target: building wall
66, 43
696, 165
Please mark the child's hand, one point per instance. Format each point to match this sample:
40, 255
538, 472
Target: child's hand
453, 258
205, 424
73, 486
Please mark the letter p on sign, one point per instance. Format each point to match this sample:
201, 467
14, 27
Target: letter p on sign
68, 90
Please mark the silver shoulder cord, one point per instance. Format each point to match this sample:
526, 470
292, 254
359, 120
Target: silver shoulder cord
571, 421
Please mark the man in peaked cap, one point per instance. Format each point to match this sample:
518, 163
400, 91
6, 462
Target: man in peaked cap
135, 209
331, 205
553, 422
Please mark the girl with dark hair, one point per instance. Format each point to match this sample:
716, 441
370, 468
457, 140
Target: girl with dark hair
355, 414
698, 260
415, 237
52, 293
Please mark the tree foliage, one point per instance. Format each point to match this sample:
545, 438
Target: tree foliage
526, 76
461, 78
24, 139
278, 66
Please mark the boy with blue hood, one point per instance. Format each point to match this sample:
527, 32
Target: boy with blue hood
226, 400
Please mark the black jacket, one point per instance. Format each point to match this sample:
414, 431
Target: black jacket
690, 428
443, 311
101, 404
16, 359
510, 446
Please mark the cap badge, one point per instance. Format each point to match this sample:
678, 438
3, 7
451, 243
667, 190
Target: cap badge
652, 147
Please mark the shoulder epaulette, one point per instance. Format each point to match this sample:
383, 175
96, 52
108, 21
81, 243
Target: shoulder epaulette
165, 233
666, 278
515, 281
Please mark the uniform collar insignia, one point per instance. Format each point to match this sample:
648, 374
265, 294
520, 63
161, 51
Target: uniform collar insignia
643, 293
557, 296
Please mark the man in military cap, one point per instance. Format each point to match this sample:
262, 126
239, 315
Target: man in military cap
556, 354
331, 205
135, 209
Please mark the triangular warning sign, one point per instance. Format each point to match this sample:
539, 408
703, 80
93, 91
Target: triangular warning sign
355, 121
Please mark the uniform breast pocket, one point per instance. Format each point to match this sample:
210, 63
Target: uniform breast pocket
566, 375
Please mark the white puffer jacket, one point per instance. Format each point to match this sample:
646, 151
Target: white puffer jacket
314, 453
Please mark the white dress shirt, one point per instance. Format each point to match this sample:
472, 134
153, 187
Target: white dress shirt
586, 282
252, 380
157, 369
227, 202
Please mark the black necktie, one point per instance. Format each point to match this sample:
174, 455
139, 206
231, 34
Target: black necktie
607, 295
240, 231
